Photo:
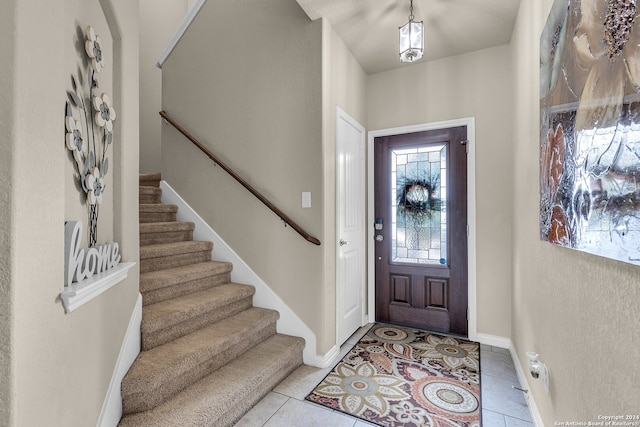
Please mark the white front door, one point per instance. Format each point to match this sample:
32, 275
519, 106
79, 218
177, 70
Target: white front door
351, 237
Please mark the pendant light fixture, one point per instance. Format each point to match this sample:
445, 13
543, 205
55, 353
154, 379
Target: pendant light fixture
411, 39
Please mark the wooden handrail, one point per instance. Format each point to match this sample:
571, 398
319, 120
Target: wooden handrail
238, 178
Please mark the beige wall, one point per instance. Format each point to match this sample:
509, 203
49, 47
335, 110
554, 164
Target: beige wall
159, 20
7, 142
476, 85
344, 86
250, 116
578, 311
246, 79
61, 364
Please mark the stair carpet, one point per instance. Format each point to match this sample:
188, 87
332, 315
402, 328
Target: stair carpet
208, 355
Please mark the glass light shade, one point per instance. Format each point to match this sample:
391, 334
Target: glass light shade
411, 41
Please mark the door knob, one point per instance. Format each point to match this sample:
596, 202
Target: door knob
344, 242
379, 238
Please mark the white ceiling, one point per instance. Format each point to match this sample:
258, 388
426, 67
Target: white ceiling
370, 27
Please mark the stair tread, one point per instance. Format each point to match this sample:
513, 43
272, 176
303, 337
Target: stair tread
177, 310
153, 233
206, 401
159, 227
157, 207
147, 189
161, 365
172, 276
175, 248
150, 177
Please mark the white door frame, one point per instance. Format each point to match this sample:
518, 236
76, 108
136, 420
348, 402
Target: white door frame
470, 123
342, 115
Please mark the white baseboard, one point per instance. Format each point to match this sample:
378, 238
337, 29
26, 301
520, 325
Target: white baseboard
265, 297
329, 359
494, 340
112, 407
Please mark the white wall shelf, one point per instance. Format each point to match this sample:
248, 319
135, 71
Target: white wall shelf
80, 293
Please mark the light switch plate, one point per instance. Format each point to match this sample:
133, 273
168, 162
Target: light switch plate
306, 199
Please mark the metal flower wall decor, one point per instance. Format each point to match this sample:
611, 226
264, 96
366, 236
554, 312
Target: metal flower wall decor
90, 149
590, 128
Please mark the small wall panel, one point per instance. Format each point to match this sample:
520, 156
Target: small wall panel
400, 289
437, 293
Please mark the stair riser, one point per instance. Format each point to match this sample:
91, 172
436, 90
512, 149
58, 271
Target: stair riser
165, 237
171, 261
159, 337
249, 400
157, 217
152, 397
180, 289
150, 198
149, 182
149, 193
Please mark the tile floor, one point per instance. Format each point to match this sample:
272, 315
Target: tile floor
502, 406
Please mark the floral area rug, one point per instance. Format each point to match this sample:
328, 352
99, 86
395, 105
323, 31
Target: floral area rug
396, 376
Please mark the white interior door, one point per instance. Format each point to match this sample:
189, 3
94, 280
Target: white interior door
351, 240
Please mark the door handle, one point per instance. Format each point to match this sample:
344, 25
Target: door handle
344, 242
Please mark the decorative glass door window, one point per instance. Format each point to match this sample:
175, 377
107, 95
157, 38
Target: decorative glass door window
418, 194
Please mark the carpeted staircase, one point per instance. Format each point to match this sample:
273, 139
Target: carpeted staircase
207, 354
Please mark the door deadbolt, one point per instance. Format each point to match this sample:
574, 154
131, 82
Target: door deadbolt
379, 238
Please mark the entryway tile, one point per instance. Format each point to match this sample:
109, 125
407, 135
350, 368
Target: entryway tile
498, 365
295, 413
500, 350
499, 396
300, 383
492, 419
264, 410
514, 422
